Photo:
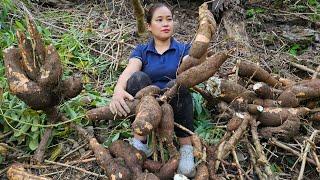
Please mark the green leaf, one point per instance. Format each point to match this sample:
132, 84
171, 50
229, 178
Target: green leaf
72, 114
115, 137
20, 26
35, 122
34, 142
294, 49
56, 152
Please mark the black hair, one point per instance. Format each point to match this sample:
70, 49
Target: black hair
153, 8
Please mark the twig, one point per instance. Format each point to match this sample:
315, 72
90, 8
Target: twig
262, 157
305, 153
76, 149
302, 67
274, 141
2, 136
237, 166
161, 151
253, 161
53, 116
154, 146
237, 70
52, 173
12, 148
51, 167
184, 128
82, 161
315, 157
234, 154
315, 74
74, 167
4, 170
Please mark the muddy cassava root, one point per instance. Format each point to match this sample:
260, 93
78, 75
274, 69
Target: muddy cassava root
148, 116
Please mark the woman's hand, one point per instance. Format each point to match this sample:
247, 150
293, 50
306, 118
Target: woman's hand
118, 104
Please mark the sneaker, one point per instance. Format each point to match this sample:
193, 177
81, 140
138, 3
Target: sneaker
186, 163
140, 146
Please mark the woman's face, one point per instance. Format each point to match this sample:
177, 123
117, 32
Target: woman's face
161, 25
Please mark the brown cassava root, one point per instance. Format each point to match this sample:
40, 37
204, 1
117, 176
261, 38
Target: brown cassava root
249, 69
34, 74
203, 71
303, 90
148, 116
17, 172
198, 50
104, 113
114, 168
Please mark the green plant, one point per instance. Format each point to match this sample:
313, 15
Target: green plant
294, 49
252, 12
203, 122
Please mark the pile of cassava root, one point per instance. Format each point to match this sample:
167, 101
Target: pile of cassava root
256, 105
257, 98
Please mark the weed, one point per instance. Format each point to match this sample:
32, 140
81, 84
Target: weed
252, 12
203, 122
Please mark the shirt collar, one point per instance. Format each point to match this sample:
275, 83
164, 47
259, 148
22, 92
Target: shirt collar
173, 45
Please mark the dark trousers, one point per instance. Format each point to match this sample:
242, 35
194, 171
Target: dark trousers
181, 103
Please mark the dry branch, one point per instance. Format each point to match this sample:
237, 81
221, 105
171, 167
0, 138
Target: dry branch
305, 153
53, 116
262, 159
253, 160
279, 144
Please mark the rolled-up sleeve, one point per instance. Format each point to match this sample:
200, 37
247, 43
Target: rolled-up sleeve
136, 53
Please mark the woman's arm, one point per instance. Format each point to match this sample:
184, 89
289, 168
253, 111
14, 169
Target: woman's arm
118, 104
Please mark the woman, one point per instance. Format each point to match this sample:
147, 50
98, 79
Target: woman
156, 63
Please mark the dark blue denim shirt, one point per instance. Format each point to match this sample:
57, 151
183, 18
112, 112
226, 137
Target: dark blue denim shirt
161, 68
